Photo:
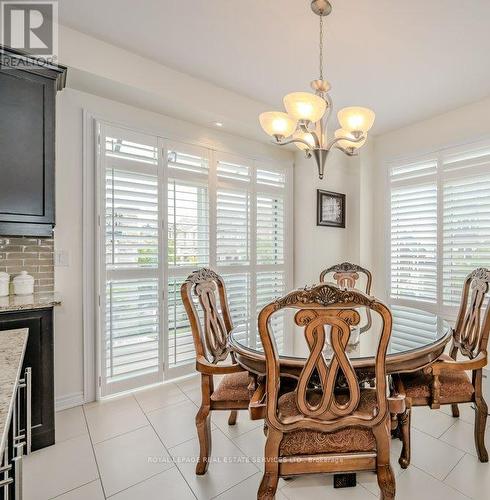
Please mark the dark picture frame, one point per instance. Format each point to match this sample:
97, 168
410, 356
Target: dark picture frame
330, 209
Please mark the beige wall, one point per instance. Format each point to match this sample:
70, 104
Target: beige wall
317, 247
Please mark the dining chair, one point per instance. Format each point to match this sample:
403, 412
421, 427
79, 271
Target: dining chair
328, 423
347, 275
446, 381
210, 332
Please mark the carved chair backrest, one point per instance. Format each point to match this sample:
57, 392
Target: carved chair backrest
325, 305
346, 275
210, 331
470, 333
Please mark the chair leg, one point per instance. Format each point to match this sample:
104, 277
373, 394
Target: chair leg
203, 424
404, 429
384, 472
232, 417
480, 425
386, 482
455, 410
268, 486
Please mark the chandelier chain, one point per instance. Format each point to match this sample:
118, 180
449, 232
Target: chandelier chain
321, 47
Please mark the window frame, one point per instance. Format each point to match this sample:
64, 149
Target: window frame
440, 176
166, 272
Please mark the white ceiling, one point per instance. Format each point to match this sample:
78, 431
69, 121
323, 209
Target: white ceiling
407, 60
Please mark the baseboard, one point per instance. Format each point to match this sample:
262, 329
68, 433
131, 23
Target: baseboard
69, 401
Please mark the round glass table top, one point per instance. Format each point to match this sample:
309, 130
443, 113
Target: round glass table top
413, 330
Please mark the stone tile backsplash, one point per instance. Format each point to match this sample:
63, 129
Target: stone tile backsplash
34, 255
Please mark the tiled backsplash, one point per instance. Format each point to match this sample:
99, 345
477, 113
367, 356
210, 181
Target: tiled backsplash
34, 255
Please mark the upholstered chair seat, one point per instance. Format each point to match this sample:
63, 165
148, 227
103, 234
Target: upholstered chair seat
453, 385
233, 387
345, 440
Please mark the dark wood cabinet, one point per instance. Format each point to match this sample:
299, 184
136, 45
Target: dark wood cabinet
39, 357
27, 144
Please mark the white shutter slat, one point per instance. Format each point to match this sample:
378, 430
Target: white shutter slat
270, 229
413, 170
411, 328
180, 341
233, 171
185, 162
188, 224
271, 285
131, 233
414, 238
132, 328
232, 227
238, 293
274, 178
466, 227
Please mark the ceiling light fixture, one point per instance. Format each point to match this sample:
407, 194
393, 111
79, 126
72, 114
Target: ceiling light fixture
305, 123
218, 124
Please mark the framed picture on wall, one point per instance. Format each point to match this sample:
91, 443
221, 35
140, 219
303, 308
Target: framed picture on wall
330, 209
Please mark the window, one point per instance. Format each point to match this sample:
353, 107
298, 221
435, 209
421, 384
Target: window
440, 225
130, 264
170, 208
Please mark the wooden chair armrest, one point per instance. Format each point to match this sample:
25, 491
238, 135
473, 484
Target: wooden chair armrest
467, 365
396, 404
204, 366
257, 404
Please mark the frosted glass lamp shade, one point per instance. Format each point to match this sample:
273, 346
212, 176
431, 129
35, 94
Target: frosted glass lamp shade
305, 106
356, 119
345, 144
277, 124
306, 137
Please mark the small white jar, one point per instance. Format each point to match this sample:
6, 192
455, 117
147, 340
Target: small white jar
23, 284
4, 284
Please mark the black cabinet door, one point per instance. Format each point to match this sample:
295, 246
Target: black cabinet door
27, 153
40, 357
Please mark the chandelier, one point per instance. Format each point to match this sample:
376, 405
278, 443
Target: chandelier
305, 123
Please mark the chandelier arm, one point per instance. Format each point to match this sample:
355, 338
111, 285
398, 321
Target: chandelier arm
328, 113
292, 141
346, 151
338, 139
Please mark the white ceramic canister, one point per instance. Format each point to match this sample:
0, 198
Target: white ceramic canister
23, 284
4, 284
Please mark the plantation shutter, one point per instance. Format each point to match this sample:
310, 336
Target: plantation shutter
413, 256
130, 305
411, 327
466, 225
165, 209
188, 245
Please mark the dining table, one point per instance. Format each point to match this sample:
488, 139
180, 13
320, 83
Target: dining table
417, 340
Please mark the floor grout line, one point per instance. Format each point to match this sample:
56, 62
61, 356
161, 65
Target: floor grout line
232, 439
95, 455
165, 448
457, 463
75, 489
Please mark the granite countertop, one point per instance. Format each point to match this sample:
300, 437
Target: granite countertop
12, 348
26, 302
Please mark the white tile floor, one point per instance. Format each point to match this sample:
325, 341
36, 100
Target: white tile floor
121, 450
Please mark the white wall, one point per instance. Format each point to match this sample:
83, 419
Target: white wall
318, 247
124, 88
463, 125
69, 360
